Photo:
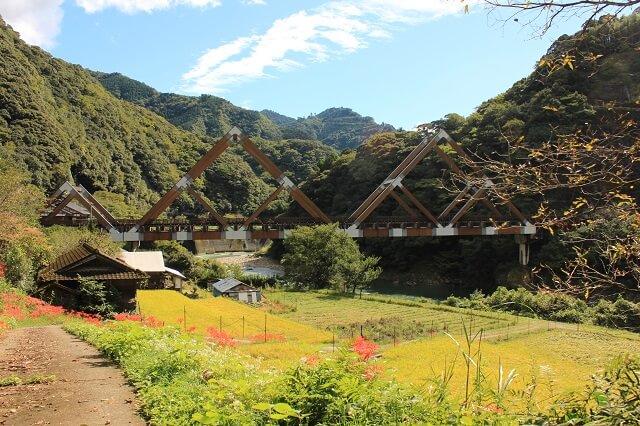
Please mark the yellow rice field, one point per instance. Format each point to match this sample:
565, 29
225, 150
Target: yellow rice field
555, 361
239, 320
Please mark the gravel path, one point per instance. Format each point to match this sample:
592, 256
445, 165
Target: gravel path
87, 388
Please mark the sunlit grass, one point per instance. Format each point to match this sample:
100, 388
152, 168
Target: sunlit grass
547, 362
238, 319
326, 310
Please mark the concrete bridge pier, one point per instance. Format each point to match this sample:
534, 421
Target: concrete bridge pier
523, 248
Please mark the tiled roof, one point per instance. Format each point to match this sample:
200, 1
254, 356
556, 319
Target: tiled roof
55, 271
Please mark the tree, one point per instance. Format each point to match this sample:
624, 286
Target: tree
550, 11
96, 297
19, 268
325, 257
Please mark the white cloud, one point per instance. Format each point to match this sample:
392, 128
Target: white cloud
37, 21
255, 2
335, 28
133, 6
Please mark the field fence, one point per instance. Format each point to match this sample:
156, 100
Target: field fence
266, 328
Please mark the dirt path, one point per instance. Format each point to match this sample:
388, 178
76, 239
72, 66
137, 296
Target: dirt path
87, 389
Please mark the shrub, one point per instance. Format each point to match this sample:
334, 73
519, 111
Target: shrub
96, 298
19, 269
620, 314
555, 306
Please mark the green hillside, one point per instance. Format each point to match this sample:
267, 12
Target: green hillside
58, 122
532, 111
341, 128
204, 115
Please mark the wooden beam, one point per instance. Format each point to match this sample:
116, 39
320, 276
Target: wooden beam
468, 205
304, 201
404, 205
385, 188
200, 199
455, 202
454, 167
426, 213
167, 199
263, 206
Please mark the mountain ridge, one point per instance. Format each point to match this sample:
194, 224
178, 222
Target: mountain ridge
340, 128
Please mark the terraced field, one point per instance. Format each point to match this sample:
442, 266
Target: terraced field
239, 320
382, 317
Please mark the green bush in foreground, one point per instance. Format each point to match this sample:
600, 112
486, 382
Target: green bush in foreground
182, 380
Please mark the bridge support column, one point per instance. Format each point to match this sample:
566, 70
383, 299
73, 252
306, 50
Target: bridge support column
523, 249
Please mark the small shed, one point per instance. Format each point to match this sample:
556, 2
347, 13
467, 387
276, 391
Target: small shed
235, 289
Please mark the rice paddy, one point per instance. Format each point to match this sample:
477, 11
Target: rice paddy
235, 318
548, 358
379, 316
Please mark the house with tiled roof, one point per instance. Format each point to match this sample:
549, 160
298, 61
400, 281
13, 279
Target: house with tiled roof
60, 279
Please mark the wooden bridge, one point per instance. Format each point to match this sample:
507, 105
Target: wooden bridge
74, 205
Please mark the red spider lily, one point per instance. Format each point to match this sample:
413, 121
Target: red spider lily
179, 320
91, 319
13, 311
372, 371
364, 348
152, 322
191, 329
267, 337
220, 337
311, 360
46, 310
127, 317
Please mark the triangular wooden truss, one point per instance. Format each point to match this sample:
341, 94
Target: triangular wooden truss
471, 193
70, 200
186, 182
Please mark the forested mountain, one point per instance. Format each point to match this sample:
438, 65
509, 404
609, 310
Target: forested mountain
204, 115
584, 82
58, 122
341, 128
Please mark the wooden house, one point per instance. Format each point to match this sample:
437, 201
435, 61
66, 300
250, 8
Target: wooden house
60, 279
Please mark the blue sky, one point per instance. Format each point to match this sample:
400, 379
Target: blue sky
403, 62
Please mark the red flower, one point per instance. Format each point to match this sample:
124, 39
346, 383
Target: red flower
220, 337
152, 322
191, 329
364, 348
127, 317
311, 360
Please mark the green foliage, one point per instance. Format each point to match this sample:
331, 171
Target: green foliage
183, 380
199, 271
323, 257
62, 239
96, 297
341, 128
555, 306
19, 268
612, 399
